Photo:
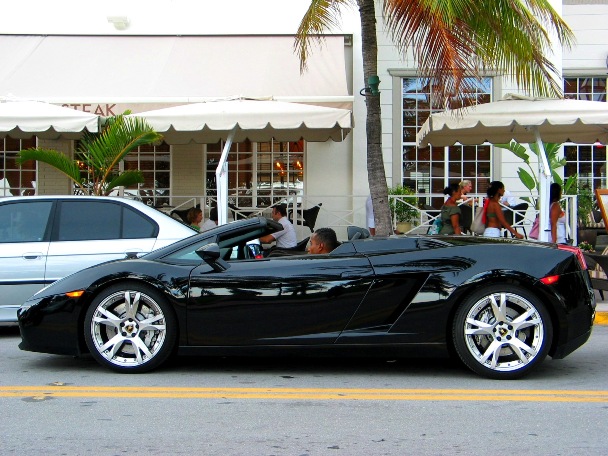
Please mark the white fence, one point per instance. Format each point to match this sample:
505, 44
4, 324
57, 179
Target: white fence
341, 211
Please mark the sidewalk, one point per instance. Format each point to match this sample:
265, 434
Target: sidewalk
601, 311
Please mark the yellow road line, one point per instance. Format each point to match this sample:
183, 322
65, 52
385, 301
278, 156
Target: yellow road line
304, 393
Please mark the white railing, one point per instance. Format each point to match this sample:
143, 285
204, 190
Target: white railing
341, 211
522, 220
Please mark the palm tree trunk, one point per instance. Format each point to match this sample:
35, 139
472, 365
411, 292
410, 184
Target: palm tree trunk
375, 163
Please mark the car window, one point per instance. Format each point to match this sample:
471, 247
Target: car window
99, 220
188, 253
136, 226
233, 246
24, 222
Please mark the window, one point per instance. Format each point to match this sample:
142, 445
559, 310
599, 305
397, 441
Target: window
16, 180
259, 174
85, 220
154, 161
588, 161
24, 222
431, 169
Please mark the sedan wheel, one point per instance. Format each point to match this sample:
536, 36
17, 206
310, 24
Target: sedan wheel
130, 328
502, 332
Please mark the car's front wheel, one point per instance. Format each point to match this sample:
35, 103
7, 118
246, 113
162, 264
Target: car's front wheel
502, 332
130, 327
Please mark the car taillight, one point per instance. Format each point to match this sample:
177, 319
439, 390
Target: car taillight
550, 280
578, 252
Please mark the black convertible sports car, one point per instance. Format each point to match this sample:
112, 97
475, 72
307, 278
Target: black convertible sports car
500, 305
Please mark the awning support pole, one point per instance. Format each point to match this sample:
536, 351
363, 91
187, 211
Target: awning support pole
544, 182
221, 181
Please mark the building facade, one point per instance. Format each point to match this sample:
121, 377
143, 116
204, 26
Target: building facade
145, 55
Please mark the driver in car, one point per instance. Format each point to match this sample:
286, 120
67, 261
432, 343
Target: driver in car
323, 240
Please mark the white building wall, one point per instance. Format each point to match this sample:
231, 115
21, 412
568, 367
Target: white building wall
187, 172
589, 21
347, 174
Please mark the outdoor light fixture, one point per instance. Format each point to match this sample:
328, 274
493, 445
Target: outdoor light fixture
120, 22
372, 87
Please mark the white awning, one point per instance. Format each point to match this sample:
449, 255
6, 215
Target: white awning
22, 119
256, 120
128, 70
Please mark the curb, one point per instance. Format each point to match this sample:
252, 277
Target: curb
601, 318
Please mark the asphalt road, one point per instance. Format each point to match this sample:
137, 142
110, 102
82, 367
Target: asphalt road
60, 405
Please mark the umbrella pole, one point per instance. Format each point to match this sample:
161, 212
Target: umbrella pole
221, 180
544, 182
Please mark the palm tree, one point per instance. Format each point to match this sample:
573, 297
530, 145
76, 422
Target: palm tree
450, 40
529, 179
99, 155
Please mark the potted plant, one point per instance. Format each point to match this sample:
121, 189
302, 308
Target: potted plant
586, 230
404, 207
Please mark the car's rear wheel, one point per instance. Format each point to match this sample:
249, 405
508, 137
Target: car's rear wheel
502, 332
130, 327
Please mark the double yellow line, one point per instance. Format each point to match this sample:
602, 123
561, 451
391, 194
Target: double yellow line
322, 394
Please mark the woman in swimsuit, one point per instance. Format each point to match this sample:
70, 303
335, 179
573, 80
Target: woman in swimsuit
556, 215
493, 216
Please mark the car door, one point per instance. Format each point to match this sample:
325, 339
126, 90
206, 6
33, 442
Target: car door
89, 232
284, 301
24, 244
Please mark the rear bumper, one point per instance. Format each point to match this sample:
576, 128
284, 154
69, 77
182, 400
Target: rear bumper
565, 349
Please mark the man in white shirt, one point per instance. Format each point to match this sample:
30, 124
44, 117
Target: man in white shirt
211, 222
369, 216
286, 238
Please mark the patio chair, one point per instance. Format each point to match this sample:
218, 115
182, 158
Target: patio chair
515, 216
307, 217
238, 213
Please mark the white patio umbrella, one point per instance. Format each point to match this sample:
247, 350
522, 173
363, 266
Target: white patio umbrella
238, 119
24, 119
526, 120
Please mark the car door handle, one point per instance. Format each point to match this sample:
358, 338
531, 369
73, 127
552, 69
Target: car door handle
32, 255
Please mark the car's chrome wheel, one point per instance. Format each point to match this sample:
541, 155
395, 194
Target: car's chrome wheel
502, 332
130, 328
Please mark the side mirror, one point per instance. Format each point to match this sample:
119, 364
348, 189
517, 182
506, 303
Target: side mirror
210, 254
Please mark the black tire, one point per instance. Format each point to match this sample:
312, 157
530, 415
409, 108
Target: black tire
502, 332
130, 341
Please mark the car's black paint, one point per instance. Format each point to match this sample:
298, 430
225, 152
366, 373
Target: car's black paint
383, 296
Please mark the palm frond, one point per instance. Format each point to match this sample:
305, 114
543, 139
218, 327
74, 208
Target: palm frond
120, 136
57, 160
125, 179
322, 15
453, 39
